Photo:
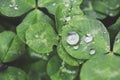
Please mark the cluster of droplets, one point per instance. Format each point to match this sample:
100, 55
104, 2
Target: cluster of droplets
73, 39
13, 5
65, 70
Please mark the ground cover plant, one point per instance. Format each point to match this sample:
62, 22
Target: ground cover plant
59, 39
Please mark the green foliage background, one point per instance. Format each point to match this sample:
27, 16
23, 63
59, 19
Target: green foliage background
38, 39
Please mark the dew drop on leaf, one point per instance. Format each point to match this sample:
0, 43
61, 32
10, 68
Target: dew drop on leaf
54, 4
76, 47
92, 51
72, 38
68, 18
36, 36
88, 38
117, 40
16, 8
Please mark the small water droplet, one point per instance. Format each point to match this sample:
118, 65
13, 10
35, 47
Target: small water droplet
68, 18
66, 5
76, 47
36, 36
16, 8
72, 38
92, 51
11, 5
54, 4
88, 38
117, 5
117, 40
110, 14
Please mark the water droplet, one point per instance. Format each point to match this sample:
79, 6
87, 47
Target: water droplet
92, 51
76, 47
110, 14
11, 5
36, 36
68, 19
72, 38
54, 4
16, 8
88, 38
67, 5
117, 5
117, 40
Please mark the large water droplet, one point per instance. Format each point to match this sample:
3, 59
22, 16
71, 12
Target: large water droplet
92, 51
88, 38
76, 47
72, 38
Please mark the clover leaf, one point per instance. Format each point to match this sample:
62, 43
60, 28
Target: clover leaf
83, 36
12, 73
58, 70
41, 37
32, 18
38, 71
10, 46
104, 67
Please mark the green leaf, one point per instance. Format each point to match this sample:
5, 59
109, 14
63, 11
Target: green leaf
116, 47
64, 15
112, 4
105, 67
35, 55
56, 71
49, 4
38, 71
6, 38
89, 36
66, 57
15, 50
12, 73
13, 8
41, 37
32, 18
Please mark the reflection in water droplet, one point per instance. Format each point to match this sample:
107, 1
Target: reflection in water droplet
76, 47
88, 38
92, 51
72, 38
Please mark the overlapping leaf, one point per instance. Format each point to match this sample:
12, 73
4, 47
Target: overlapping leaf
105, 67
